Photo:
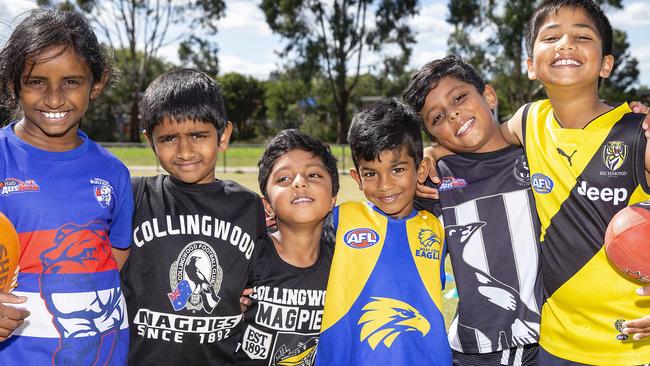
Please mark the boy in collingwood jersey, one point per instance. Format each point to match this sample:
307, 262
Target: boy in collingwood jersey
194, 236
488, 211
383, 296
298, 178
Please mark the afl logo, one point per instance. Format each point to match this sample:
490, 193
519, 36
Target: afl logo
361, 238
541, 183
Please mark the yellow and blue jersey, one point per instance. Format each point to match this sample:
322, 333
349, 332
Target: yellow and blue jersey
383, 297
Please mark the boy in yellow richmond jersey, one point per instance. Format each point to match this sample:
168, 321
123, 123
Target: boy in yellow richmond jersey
587, 161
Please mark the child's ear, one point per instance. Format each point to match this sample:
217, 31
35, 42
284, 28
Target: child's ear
225, 137
423, 169
333, 203
357, 178
268, 210
490, 96
532, 75
606, 68
99, 85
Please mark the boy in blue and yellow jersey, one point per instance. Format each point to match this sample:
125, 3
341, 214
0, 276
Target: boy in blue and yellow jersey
383, 297
488, 211
587, 161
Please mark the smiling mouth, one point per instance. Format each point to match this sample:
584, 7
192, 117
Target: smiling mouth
299, 200
465, 127
566, 62
390, 199
54, 115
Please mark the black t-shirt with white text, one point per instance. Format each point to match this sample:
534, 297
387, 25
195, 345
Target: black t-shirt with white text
283, 322
190, 258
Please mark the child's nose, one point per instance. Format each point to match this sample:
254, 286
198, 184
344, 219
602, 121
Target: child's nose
299, 181
185, 150
565, 43
453, 116
54, 98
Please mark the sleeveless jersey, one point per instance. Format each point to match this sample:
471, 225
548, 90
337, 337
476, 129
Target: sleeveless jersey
192, 247
284, 319
581, 178
492, 232
383, 295
68, 208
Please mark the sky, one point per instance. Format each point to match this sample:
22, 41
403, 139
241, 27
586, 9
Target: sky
247, 45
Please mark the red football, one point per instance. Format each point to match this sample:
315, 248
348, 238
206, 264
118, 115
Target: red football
627, 241
9, 254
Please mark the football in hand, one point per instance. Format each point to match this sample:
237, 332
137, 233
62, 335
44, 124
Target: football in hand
627, 241
9, 255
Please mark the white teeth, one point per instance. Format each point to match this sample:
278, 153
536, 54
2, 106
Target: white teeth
54, 115
566, 62
302, 199
464, 127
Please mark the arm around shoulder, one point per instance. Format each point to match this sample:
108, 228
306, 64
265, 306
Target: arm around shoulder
512, 129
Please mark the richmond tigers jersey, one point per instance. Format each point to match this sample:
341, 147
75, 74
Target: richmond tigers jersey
383, 296
580, 179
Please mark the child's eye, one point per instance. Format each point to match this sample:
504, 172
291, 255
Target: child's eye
398, 170
197, 136
436, 118
170, 138
315, 175
283, 179
583, 38
369, 174
71, 84
35, 83
459, 98
550, 39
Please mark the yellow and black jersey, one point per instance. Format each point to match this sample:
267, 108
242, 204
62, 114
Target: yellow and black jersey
580, 179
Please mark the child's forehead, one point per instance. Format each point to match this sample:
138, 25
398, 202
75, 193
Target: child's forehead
296, 158
568, 16
389, 157
182, 125
448, 84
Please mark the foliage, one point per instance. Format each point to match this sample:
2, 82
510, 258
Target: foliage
329, 38
489, 34
244, 99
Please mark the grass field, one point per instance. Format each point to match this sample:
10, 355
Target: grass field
142, 158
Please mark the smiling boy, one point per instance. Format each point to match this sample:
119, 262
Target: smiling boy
587, 161
383, 297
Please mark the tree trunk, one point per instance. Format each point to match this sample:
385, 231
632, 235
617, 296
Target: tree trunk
134, 120
343, 119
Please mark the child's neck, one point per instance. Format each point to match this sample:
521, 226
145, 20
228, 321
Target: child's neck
298, 245
574, 109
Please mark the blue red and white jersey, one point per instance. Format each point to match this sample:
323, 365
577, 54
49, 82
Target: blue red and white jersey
383, 296
68, 208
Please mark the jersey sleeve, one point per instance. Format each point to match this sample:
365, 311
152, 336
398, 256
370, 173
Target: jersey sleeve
120, 227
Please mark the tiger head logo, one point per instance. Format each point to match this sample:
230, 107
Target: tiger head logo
384, 319
614, 154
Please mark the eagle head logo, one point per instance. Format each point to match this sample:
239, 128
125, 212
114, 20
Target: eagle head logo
427, 238
384, 319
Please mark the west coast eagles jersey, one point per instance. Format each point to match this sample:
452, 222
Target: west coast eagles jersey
383, 296
581, 178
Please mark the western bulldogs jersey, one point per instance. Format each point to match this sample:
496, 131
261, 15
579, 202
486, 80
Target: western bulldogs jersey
284, 319
581, 178
68, 208
383, 295
492, 234
192, 247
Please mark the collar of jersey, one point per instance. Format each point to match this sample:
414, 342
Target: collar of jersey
44, 154
413, 213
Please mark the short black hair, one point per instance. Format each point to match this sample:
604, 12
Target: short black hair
593, 11
389, 124
428, 77
293, 139
183, 95
43, 29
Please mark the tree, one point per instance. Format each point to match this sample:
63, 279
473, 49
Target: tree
331, 36
501, 57
244, 99
142, 28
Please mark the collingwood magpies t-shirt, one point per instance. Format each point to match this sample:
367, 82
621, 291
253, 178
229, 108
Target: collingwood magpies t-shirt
191, 253
284, 320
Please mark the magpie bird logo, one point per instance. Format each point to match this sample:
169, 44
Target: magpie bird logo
568, 157
384, 319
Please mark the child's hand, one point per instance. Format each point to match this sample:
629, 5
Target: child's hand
639, 328
10, 317
638, 107
244, 300
423, 191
